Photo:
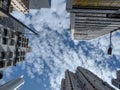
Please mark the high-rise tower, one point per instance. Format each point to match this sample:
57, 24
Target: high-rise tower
24, 5
92, 18
13, 84
13, 42
83, 79
116, 82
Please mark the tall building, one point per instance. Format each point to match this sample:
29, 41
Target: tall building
90, 19
20, 5
13, 42
13, 84
83, 79
116, 82
24, 5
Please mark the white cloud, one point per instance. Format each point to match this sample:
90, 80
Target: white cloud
55, 48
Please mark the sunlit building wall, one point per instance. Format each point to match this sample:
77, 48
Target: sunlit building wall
90, 19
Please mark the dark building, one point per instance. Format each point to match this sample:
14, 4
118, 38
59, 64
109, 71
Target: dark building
116, 82
5, 4
90, 19
13, 84
83, 79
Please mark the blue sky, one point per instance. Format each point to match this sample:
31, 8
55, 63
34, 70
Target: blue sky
53, 51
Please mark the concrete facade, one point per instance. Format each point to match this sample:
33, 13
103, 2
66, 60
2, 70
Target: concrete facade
20, 5
13, 47
37, 4
83, 79
23, 5
87, 24
13, 42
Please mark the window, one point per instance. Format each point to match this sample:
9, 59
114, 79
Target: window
12, 34
1, 64
9, 63
3, 55
0, 30
11, 55
5, 32
4, 41
12, 42
18, 53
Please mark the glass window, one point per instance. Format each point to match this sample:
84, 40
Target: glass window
3, 55
4, 41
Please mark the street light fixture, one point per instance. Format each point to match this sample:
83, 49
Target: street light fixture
110, 47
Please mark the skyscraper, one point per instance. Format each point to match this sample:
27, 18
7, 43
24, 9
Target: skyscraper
24, 5
20, 5
13, 42
13, 84
116, 82
92, 18
83, 79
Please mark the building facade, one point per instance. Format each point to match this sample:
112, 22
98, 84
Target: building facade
24, 5
90, 19
13, 47
116, 82
83, 79
37, 4
20, 5
13, 84
13, 42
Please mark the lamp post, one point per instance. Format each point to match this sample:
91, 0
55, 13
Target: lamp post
110, 47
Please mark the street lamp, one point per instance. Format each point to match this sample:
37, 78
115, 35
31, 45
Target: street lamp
110, 47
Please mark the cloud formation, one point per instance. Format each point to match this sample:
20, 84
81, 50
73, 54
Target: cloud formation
53, 51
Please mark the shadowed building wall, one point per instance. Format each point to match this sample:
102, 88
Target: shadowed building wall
83, 79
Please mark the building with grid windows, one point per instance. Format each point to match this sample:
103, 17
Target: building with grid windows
24, 5
13, 42
90, 19
83, 79
13, 47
